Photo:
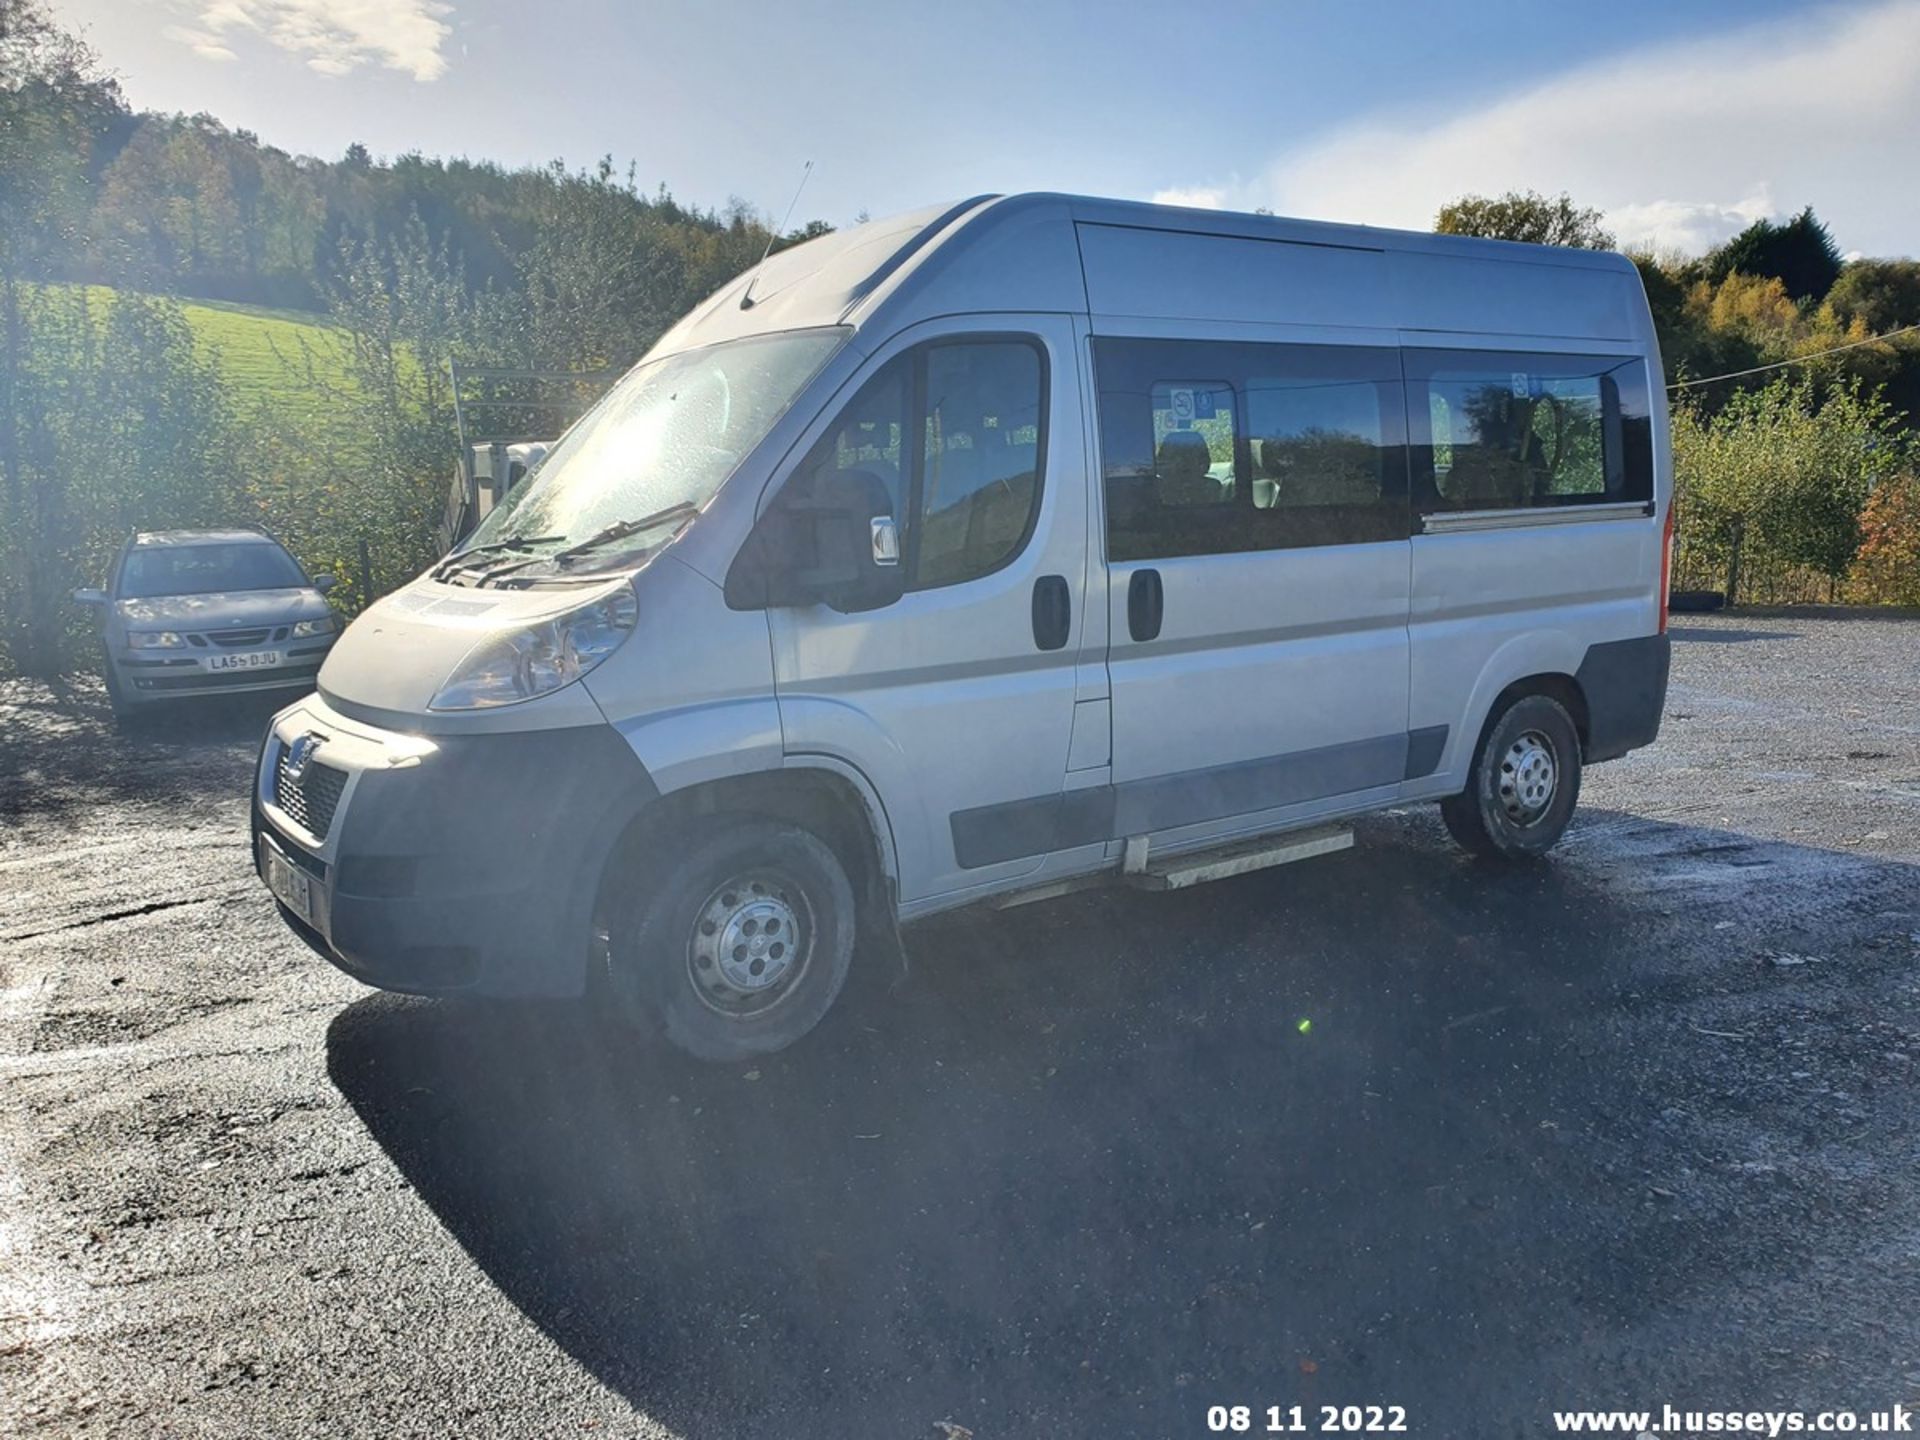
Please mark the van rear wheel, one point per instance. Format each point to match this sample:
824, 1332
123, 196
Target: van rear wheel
738, 943
1523, 785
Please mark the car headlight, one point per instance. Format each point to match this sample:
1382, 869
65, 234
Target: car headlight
155, 639
522, 664
303, 629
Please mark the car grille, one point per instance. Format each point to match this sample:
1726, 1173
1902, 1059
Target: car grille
311, 800
240, 637
199, 682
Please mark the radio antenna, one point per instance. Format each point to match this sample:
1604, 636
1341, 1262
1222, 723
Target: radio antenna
746, 296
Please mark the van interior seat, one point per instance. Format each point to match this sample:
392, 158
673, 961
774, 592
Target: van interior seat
979, 495
1318, 468
1180, 471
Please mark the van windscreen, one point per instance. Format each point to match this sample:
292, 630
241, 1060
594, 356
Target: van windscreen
662, 441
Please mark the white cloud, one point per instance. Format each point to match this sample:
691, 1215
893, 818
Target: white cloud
1681, 144
203, 43
1691, 227
333, 36
1199, 197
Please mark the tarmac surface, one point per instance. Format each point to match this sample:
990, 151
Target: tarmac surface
1634, 1126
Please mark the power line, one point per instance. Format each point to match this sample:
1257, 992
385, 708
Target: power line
1797, 360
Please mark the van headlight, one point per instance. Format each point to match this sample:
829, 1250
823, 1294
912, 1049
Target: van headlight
524, 664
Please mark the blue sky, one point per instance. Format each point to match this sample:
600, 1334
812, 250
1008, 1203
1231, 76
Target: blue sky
1683, 119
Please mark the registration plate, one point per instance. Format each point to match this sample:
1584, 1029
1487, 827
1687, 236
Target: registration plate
292, 885
252, 660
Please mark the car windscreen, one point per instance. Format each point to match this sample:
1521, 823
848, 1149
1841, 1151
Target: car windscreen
153, 571
663, 440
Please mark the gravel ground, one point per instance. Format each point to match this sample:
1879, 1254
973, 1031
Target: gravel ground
1635, 1126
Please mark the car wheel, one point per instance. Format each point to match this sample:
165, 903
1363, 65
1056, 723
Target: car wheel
1523, 785
738, 943
126, 715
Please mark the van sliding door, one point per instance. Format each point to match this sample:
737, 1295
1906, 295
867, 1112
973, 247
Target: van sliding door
1258, 559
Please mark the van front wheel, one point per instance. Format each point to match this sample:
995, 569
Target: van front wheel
1523, 785
739, 943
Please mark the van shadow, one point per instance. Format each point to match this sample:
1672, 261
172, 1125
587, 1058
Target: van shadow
1368, 1129
1701, 635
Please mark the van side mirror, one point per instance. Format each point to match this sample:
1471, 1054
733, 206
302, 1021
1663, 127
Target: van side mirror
90, 597
324, 583
827, 539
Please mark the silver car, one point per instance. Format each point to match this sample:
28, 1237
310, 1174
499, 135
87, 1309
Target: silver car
206, 612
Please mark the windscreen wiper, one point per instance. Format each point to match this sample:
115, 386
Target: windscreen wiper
515, 544
621, 529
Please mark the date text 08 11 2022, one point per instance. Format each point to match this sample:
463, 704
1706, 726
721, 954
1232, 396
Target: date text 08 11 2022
1305, 1420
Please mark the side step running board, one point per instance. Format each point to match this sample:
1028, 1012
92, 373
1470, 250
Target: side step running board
1177, 872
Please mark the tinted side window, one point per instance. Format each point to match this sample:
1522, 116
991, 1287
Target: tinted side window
1497, 431
1286, 446
966, 491
981, 426
867, 435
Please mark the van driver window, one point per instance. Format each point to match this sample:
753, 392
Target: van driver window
1508, 431
966, 495
1287, 446
981, 465
868, 432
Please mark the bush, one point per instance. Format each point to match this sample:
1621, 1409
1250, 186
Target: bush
1783, 472
1887, 569
115, 421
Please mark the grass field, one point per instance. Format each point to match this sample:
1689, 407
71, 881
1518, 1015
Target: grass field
271, 355
283, 357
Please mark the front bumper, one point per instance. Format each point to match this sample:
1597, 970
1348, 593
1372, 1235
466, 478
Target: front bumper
153, 675
445, 864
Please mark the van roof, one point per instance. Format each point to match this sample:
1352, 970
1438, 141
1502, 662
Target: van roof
1246, 224
1025, 253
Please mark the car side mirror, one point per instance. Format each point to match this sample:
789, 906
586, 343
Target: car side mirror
90, 597
828, 539
324, 583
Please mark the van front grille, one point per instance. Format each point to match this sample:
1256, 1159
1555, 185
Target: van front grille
311, 800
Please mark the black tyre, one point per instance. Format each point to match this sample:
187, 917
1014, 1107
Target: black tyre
126, 715
1523, 785
735, 939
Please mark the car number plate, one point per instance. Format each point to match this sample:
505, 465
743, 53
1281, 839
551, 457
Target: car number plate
293, 886
252, 660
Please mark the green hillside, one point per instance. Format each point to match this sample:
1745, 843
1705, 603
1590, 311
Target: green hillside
287, 358
271, 354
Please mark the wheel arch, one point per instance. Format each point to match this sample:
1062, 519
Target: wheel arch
1555, 685
817, 793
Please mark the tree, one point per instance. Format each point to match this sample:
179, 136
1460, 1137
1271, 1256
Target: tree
1800, 254
1525, 215
57, 107
55, 103
387, 445
117, 420
1882, 294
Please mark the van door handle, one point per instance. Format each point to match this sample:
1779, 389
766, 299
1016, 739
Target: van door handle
1144, 605
1052, 612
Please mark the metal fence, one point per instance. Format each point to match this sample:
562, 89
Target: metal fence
1747, 573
